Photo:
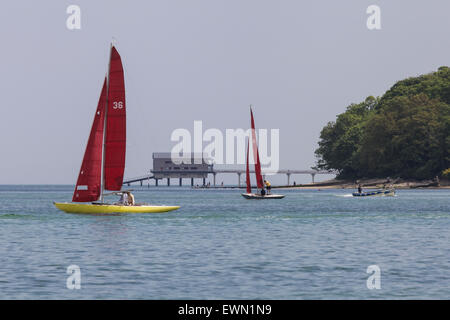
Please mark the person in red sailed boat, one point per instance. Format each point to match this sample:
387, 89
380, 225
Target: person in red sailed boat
268, 186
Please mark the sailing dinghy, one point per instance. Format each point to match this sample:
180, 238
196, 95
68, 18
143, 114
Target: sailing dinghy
104, 158
259, 178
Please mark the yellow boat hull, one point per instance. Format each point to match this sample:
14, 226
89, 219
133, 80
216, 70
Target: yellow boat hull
110, 208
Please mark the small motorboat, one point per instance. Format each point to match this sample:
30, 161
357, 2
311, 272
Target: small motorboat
382, 192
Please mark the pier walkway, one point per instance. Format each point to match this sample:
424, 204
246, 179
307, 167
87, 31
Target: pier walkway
185, 174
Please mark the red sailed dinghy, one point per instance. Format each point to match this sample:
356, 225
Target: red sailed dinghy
104, 158
260, 194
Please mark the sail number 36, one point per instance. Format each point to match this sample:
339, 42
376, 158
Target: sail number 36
117, 105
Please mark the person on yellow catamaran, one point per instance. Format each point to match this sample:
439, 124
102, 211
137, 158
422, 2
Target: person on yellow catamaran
123, 199
268, 186
126, 199
130, 199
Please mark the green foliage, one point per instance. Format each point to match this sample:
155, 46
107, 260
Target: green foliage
446, 173
435, 85
340, 140
405, 133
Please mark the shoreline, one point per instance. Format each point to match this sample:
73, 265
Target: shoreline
370, 184
305, 187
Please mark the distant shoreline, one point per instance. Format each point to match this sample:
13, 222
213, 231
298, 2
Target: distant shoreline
371, 184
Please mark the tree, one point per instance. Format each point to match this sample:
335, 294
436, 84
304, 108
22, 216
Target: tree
405, 138
404, 133
339, 140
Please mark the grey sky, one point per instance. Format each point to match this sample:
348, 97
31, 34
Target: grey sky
298, 62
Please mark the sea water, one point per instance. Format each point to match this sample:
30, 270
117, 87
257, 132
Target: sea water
310, 245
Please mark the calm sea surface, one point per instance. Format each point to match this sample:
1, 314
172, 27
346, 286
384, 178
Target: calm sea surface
310, 245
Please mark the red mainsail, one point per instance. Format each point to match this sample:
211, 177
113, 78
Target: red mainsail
115, 140
259, 179
247, 172
88, 183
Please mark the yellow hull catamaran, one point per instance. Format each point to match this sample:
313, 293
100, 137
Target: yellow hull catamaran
112, 208
104, 159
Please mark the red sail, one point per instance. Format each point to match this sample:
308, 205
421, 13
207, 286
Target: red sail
115, 140
88, 183
259, 179
247, 172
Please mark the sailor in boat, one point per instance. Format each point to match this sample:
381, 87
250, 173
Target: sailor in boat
123, 199
268, 186
131, 201
126, 199
359, 188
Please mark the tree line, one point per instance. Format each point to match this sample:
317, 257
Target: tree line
404, 133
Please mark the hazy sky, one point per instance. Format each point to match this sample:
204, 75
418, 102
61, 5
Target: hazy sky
300, 63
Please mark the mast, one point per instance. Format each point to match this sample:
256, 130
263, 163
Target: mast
102, 180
